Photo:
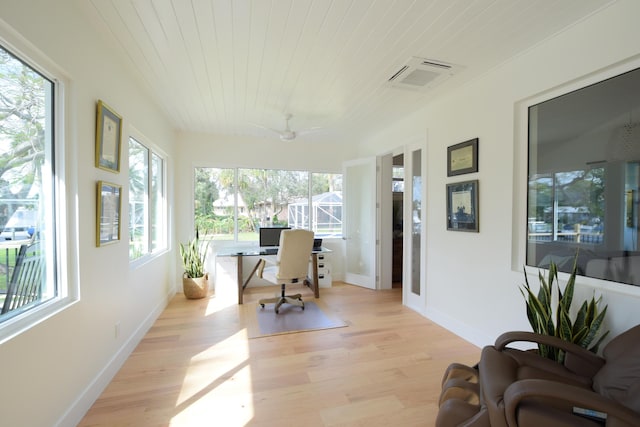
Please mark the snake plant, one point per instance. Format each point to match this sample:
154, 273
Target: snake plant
193, 254
585, 327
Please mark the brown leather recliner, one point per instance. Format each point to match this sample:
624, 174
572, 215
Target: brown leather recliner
511, 387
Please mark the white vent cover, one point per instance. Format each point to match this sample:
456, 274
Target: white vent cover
420, 74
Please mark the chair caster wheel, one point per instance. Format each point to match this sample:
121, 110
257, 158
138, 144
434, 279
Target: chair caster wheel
262, 305
303, 306
277, 311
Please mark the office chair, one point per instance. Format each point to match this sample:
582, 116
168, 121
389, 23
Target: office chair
292, 266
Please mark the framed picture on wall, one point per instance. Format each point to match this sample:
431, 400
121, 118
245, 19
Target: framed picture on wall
462, 158
108, 210
108, 138
462, 206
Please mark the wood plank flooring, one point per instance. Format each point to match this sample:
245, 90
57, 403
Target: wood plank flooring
196, 367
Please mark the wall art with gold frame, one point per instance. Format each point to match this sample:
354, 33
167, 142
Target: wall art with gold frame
108, 138
462, 158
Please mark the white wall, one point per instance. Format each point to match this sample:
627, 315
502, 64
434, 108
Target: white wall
473, 279
61, 364
52, 373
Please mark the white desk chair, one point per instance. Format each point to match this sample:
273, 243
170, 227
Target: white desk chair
292, 266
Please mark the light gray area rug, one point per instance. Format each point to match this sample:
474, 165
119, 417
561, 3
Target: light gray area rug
291, 319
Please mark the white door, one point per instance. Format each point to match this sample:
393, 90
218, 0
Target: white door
360, 222
414, 274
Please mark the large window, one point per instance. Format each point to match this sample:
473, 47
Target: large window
146, 201
28, 275
232, 204
584, 177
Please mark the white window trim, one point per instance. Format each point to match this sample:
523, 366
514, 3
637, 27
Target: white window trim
520, 170
65, 183
153, 149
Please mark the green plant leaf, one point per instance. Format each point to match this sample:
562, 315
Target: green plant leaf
564, 326
594, 327
594, 348
581, 318
588, 321
193, 255
579, 336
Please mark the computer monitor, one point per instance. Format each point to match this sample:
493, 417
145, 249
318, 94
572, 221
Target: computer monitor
270, 236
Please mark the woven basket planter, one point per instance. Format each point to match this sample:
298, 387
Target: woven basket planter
195, 288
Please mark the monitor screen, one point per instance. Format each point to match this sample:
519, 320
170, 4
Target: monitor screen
270, 236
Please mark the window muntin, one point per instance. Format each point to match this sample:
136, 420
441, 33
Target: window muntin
584, 152
157, 202
27, 190
265, 198
138, 199
146, 201
326, 200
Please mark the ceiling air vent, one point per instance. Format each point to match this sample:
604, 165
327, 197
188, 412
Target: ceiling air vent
421, 74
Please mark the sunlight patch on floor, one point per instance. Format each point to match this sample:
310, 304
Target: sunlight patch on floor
218, 381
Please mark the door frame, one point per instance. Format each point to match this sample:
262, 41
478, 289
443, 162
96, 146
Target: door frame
369, 280
417, 302
385, 222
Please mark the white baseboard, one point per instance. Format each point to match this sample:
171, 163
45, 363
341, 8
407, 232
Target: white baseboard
464, 331
83, 403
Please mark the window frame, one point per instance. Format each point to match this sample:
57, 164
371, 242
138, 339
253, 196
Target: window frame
65, 243
521, 168
152, 150
236, 211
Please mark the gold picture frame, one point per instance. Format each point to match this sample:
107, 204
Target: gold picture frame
462, 158
108, 209
108, 138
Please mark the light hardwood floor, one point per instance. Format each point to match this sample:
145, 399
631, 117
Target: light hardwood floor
196, 367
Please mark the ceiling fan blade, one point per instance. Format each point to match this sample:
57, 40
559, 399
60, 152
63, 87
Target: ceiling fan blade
266, 128
288, 134
310, 130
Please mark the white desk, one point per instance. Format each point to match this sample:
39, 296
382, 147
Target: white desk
240, 254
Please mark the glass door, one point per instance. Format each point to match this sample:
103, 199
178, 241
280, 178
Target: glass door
360, 222
414, 222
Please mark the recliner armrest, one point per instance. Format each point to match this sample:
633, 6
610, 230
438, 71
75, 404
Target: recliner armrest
578, 360
573, 396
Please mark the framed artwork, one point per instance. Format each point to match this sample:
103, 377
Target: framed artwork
462, 206
462, 158
108, 138
108, 210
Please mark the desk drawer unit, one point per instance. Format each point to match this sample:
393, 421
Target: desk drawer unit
324, 271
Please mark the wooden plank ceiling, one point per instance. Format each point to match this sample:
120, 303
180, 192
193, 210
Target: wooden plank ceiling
222, 66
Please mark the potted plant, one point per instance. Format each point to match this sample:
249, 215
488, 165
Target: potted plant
195, 281
583, 330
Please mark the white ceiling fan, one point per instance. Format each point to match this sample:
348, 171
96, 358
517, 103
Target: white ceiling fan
287, 134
